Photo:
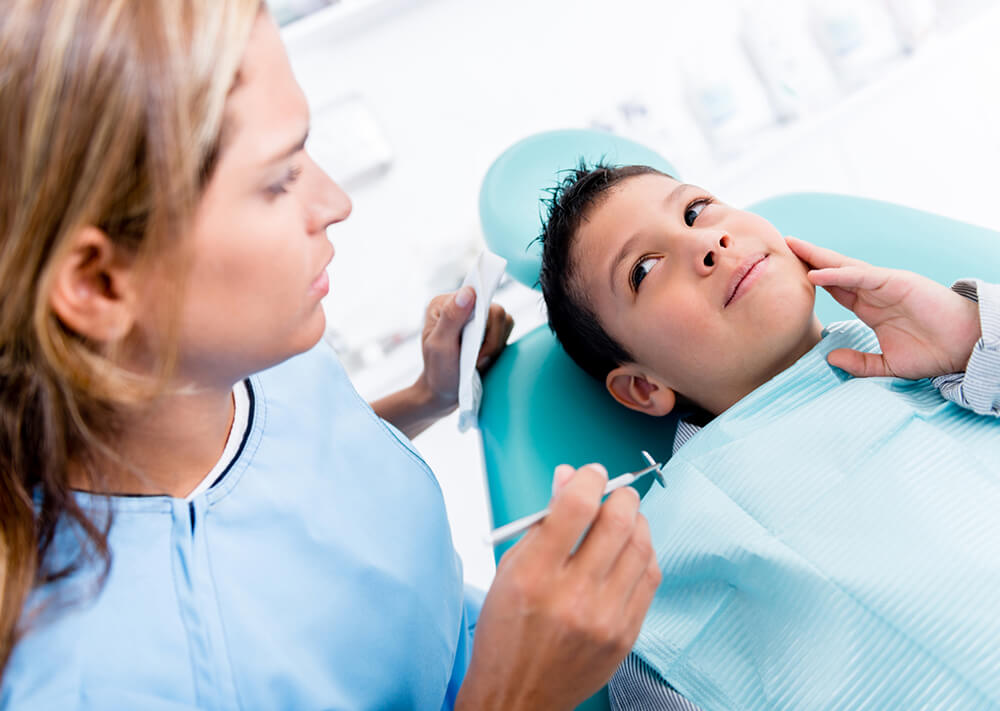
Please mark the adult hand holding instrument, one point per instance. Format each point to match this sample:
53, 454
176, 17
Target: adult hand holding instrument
508, 531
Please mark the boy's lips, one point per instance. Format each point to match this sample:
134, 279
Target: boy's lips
744, 276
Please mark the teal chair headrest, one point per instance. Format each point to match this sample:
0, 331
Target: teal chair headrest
510, 200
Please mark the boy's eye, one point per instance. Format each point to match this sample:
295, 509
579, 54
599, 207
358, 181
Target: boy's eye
694, 209
640, 270
281, 187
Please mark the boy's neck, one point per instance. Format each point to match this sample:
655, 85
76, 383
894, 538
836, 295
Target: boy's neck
812, 336
809, 340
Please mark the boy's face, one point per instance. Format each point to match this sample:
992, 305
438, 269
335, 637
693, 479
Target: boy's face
709, 300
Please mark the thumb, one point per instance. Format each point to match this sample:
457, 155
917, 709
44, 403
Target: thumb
858, 364
454, 314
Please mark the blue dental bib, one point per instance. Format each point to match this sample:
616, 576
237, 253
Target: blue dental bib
831, 542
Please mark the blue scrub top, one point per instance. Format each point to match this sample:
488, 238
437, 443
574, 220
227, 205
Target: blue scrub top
318, 573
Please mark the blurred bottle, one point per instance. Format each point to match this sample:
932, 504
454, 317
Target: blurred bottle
857, 37
913, 19
348, 141
725, 96
953, 13
792, 70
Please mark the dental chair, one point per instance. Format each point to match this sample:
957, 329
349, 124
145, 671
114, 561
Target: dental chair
540, 410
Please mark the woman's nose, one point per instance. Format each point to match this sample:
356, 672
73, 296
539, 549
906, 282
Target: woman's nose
710, 257
329, 204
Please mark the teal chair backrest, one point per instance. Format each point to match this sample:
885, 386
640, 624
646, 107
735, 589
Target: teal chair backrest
539, 409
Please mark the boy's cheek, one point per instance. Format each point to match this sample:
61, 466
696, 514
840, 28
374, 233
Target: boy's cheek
756, 225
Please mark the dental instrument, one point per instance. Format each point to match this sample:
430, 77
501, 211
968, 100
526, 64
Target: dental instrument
508, 531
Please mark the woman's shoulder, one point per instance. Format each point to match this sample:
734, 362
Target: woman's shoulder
307, 410
306, 385
319, 365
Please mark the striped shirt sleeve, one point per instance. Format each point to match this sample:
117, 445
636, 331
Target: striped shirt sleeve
636, 686
978, 388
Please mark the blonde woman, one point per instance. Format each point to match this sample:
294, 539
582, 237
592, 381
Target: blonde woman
197, 510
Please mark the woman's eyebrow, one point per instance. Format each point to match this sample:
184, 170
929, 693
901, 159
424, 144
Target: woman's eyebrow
290, 151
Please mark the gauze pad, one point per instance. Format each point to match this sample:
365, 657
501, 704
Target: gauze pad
484, 277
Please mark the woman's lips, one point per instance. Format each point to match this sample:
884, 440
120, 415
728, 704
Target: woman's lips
745, 276
322, 283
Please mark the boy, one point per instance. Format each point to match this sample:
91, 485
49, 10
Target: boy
679, 302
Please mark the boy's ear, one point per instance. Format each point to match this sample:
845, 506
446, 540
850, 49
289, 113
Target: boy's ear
636, 391
92, 290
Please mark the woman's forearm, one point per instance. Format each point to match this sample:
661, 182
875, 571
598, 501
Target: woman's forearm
412, 409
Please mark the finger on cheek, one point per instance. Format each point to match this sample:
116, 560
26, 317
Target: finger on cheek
799, 248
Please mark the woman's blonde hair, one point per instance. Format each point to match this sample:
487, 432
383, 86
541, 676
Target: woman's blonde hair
112, 117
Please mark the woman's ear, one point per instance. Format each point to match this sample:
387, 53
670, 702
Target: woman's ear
92, 288
636, 391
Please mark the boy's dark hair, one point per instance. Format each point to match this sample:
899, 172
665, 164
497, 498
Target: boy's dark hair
571, 317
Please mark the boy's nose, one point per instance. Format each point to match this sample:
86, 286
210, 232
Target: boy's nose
710, 258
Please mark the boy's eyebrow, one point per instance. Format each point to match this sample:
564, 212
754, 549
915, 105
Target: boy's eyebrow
627, 246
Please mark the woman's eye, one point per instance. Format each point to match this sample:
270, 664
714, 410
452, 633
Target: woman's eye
281, 187
694, 209
640, 270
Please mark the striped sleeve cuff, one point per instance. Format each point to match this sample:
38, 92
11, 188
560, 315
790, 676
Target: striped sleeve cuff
978, 388
636, 686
